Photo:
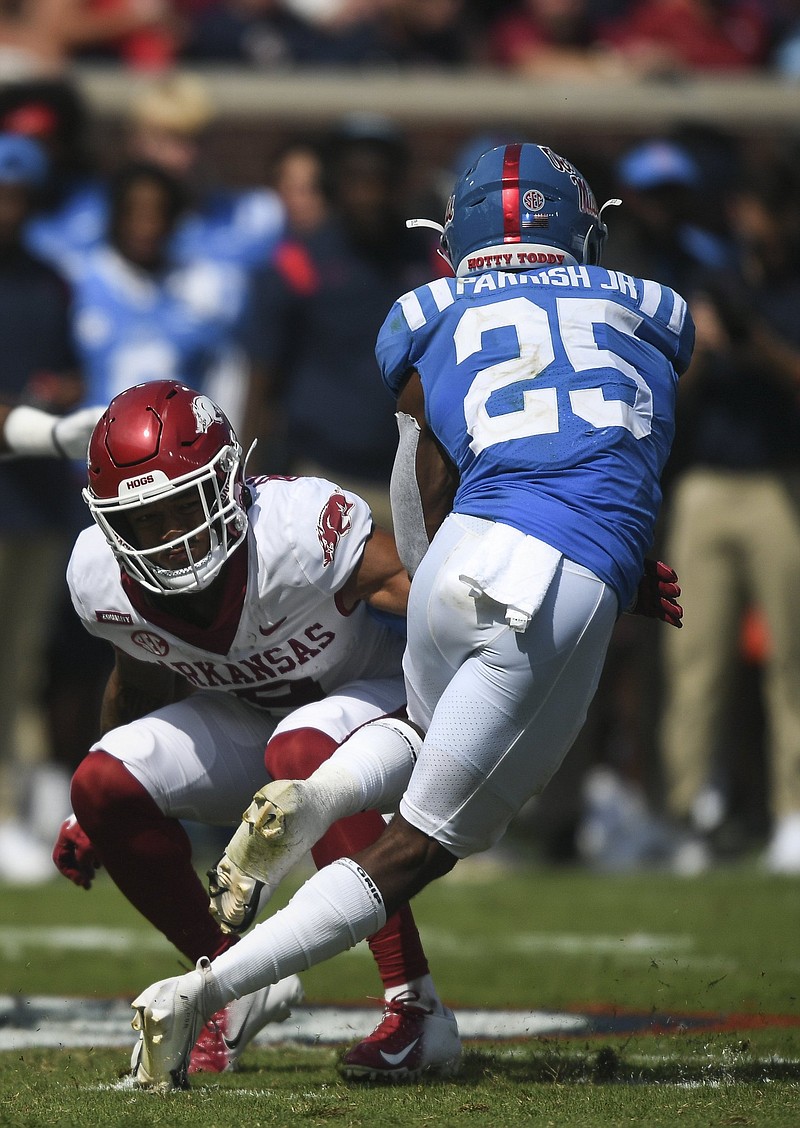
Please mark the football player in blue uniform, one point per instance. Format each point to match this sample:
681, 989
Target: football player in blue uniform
535, 394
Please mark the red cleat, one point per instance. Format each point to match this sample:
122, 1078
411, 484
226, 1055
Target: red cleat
409, 1042
226, 1034
210, 1053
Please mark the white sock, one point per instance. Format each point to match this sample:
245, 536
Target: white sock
335, 909
369, 771
423, 988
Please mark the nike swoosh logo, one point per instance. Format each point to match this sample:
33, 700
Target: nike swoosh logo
232, 1043
232, 1039
273, 628
396, 1059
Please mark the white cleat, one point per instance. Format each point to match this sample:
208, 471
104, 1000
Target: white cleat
172, 1016
278, 828
169, 1017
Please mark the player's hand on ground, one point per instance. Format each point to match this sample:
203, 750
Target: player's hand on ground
657, 594
74, 855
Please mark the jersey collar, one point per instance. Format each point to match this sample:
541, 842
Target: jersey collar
219, 636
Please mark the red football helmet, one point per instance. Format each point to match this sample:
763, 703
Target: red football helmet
156, 440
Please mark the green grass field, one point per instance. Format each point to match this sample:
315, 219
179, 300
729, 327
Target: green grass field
524, 938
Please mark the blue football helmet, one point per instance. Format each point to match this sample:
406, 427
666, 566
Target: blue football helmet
521, 206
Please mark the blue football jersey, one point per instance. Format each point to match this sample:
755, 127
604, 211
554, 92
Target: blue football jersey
131, 327
239, 228
553, 393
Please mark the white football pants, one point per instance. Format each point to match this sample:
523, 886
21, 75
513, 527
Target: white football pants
203, 758
500, 708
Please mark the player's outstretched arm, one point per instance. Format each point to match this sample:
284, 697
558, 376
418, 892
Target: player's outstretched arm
29, 432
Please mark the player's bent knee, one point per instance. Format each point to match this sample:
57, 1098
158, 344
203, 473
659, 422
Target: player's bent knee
102, 788
297, 753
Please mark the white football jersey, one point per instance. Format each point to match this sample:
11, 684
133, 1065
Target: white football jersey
283, 638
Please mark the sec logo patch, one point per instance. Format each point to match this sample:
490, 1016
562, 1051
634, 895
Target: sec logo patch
152, 643
533, 200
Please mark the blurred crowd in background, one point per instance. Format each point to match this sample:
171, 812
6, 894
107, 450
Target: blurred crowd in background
547, 38
146, 261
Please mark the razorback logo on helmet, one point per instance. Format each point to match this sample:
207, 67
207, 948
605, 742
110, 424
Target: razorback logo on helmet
205, 412
152, 643
334, 523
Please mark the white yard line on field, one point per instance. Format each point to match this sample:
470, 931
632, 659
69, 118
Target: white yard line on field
17, 943
16, 940
52, 1022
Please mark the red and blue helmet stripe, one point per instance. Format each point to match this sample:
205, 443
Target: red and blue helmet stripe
510, 194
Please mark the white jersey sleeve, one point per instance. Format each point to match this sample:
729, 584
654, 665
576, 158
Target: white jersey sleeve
93, 581
311, 530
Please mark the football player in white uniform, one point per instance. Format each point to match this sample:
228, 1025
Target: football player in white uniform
240, 613
535, 395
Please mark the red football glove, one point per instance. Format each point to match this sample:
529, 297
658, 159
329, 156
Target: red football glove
657, 594
74, 854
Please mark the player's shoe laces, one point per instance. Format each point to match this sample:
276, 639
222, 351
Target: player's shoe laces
226, 1034
409, 1042
170, 1016
278, 828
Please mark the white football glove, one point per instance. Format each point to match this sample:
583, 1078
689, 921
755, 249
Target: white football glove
32, 433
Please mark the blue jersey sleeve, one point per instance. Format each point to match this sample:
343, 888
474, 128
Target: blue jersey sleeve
685, 348
399, 344
393, 349
669, 320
